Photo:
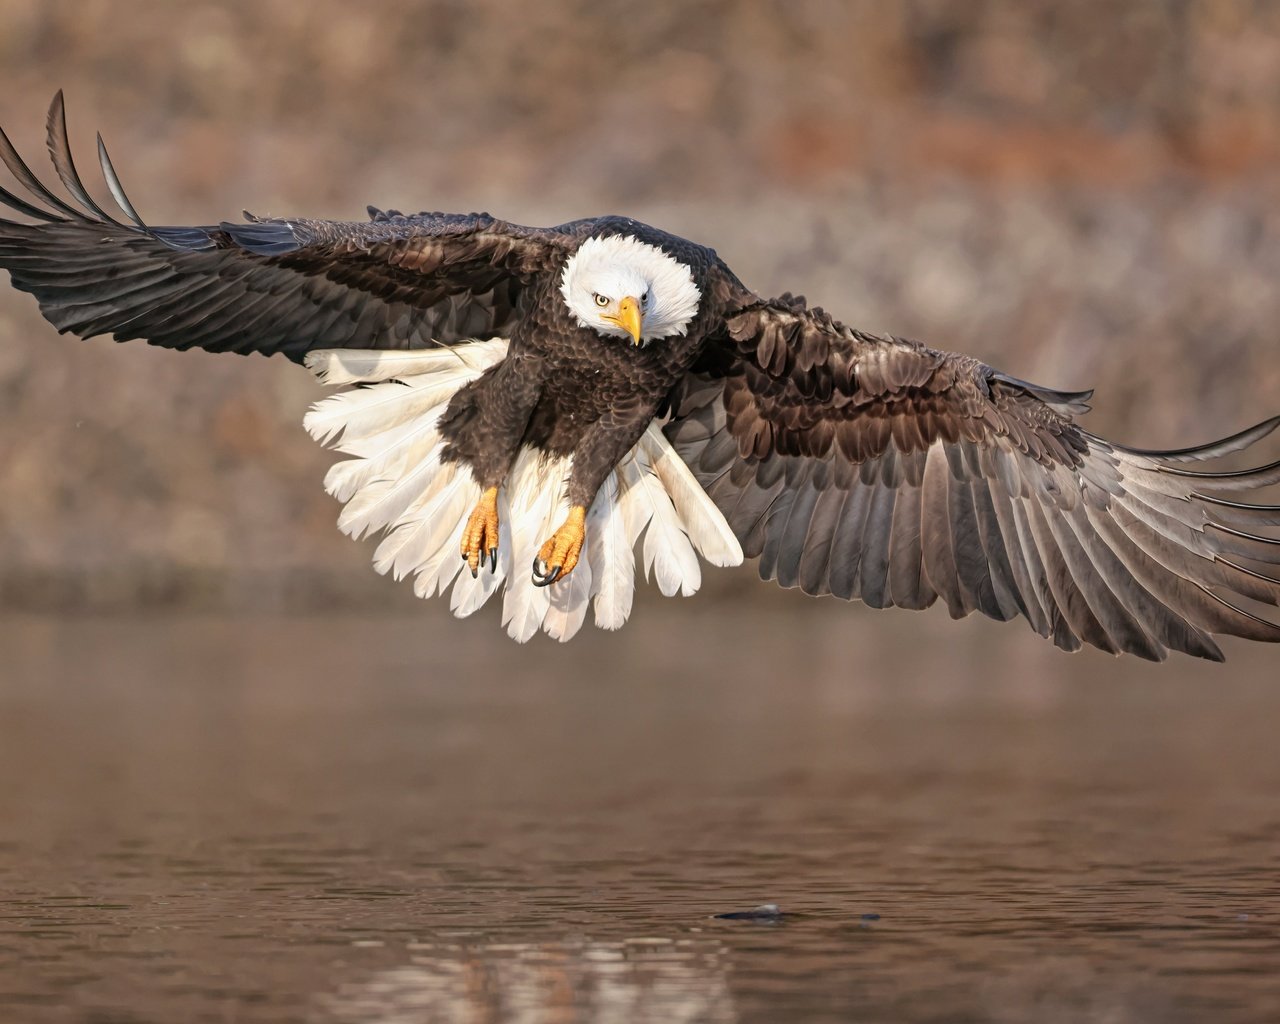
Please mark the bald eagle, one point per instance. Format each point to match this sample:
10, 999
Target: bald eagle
529, 409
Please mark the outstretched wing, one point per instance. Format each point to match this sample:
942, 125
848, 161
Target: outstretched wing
264, 286
876, 468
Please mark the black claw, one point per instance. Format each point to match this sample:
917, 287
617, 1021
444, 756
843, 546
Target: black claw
552, 575
475, 572
493, 559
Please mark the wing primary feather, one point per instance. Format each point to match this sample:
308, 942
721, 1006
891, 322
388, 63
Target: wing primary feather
771, 523
1200, 453
1206, 609
1239, 513
793, 536
113, 183
1269, 541
1268, 632
1226, 503
22, 206
937, 543
1117, 622
815, 560
1232, 480
1199, 552
1273, 597
1159, 621
1023, 564
1040, 592
873, 567
973, 567
908, 585
846, 545
19, 169
1057, 627
752, 509
60, 149
1077, 621
1003, 580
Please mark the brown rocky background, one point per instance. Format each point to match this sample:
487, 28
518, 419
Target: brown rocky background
1084, 193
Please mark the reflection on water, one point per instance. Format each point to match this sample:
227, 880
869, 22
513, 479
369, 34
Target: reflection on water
639, 981
412, 820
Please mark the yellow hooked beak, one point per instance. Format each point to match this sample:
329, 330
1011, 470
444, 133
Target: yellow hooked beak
627, 317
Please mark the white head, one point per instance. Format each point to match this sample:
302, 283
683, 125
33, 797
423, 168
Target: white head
622, 287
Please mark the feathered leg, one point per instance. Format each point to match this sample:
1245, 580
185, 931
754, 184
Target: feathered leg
601, 448
482, 428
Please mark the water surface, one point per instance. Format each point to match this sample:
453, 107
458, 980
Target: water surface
407, 819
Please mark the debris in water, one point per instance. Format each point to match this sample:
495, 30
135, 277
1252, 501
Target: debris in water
764, 912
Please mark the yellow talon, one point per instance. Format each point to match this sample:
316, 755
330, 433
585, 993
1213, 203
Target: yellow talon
480, 538
558, 556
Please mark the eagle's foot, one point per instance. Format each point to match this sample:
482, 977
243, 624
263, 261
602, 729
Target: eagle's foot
558, 556
480, 538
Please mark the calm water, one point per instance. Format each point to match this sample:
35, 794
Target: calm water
411, 820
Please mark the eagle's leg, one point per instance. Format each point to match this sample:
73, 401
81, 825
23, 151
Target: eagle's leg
602, 447
558, 556
480, 538
482, 426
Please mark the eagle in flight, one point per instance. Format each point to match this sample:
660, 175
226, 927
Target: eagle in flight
530, 410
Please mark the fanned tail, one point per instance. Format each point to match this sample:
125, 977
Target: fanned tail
397, 481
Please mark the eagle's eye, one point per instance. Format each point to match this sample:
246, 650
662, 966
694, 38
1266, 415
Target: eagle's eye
644, 301
600, 300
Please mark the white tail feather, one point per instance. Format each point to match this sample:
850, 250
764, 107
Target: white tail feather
399, 482
704, 523
536, 510
381, 503
612, 557
366, 411
408, 449
414, 539
444, 563
359, 366
669, 558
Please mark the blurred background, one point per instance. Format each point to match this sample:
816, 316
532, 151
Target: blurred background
1082, 194
244, 778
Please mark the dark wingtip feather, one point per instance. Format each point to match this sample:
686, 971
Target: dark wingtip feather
1231, 480
18, 168
1212, 450
113, 183
22, 206
60, 150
